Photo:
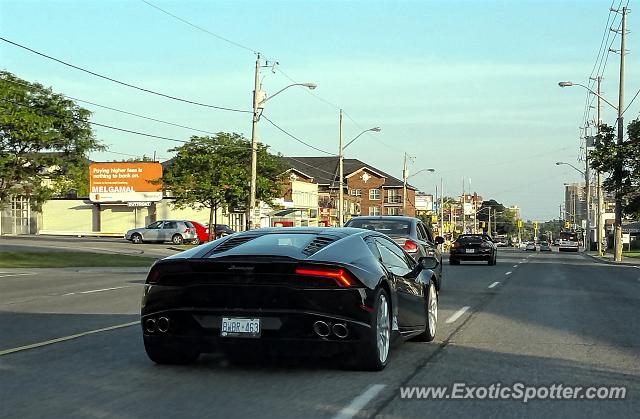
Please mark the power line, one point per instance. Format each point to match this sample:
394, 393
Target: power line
200, 28
114, 109
192, 102
634, 98
296, 138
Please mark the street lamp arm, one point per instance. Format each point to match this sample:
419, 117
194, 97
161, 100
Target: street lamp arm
420, 171
569, 84
311, 86
569, 164
376, 129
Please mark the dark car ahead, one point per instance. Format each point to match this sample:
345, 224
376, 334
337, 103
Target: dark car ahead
410, 233
325, 291
473, 247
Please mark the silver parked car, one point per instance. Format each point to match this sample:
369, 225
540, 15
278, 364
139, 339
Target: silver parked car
175, 231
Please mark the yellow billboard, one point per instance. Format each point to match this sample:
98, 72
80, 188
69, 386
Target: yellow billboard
125, 182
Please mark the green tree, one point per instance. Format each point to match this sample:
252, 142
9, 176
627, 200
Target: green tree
608, 155
44, 140
213, 172
504, 221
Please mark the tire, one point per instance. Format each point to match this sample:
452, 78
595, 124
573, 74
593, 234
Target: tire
431, 313
195, 241
492, 261
454, 262
177, 239
136, 238
168, 356
375, 350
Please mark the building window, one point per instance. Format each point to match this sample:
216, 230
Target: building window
355, 192
374, 193
392, 211
374, 210
357, 209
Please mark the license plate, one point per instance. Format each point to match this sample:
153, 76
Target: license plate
240, 327
471, 250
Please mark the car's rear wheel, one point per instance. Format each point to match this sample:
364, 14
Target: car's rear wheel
136, 238
454, 262
195, 241
431, 314
492, 261
377, 343
177, 239
163, 355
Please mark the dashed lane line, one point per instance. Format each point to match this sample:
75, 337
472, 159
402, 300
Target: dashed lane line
360, 402
458, 314
66, 338
495, 284
99, 290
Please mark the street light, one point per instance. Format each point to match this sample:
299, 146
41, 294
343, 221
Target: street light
341, 164
571, 84
259, 98
559, 163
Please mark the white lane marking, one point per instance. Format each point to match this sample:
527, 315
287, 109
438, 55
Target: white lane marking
359, 402
494, 284
509, 273
458, 314
515, 266
65, 338
8, 274
100, 290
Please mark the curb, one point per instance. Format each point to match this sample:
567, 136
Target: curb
608, 262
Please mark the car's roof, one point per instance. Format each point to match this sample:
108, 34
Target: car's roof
335, 231
385, 218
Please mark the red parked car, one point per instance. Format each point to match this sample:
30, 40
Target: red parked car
202, 232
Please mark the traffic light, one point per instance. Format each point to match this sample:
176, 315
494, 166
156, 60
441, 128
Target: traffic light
519, 223
567, 224
482, 224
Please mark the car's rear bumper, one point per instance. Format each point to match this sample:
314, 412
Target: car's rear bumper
470, 256
280, 331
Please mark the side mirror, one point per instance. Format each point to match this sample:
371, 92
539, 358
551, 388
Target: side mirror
439, 239
428, 262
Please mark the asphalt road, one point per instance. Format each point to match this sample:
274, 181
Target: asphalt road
532, 318
84, 244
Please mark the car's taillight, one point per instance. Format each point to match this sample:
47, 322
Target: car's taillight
485, 244
153, 277
456, 245
410, 246
341, 276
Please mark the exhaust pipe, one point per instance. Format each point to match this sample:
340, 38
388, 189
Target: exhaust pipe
163, 324
150, 325
340, 330
321, 328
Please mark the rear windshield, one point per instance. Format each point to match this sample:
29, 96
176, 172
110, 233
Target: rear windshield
389, 227
290, 245
470, 239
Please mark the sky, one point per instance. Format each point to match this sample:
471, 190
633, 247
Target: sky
468, 88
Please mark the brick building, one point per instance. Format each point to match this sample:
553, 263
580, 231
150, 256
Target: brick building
367, 190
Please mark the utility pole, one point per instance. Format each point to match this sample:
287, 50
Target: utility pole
618, 171
587, 185
599, 223
405, 175
341, 192
462, 202
254, 147
441, 208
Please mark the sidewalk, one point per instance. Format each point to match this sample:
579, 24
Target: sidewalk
608, 258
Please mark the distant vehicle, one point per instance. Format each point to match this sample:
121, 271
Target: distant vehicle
221, 230
545, 246
410, 233
175, 231
343, 292
568, 242
531, 246
202, 233
556, 242
473, 247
